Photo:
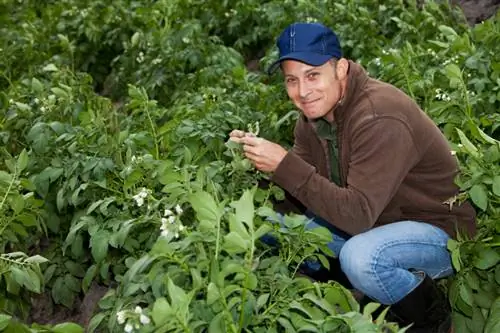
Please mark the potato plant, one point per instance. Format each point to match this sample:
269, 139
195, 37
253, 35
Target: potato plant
117, 169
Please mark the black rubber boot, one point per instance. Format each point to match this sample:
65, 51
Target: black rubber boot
426, 307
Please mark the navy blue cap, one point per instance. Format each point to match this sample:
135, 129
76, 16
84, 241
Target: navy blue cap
310, 43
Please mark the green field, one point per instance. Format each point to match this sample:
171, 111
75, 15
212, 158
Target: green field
123, 207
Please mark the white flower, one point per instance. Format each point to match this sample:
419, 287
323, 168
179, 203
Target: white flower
176, 235
453, 152
168, 212
182, 227
164, 233
129, 328
171, 219
144, 192
178, 209
144, 319
139, 201
120, 317
139, 197
138, 309
460, 145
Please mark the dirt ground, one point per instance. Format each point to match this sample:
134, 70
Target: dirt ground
44, 312
478, 10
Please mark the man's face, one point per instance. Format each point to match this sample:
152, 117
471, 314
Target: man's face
314, 90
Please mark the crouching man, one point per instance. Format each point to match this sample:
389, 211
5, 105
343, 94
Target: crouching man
368, 161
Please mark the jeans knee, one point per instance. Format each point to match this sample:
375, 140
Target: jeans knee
356, 259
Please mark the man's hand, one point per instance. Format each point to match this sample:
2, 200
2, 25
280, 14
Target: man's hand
264, 154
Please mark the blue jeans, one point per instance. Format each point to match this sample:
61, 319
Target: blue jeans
386, 263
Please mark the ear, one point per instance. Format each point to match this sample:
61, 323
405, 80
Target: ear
342, 68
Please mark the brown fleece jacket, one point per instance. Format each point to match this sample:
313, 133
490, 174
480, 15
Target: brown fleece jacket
395, 164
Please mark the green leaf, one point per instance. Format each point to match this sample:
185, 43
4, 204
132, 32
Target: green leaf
370, 308
17, 203
469, 147
213, 293
161, 311
493, 321
36, 85
50, 68
263, 230
486, 258
22, 161
72, 283
321, 303
217, 324
4, 321
89, 277
245, 208
177, 295
261, 301
483, 299
96, 321
67, 328
74, 268
496, 185
297, 306
205, 207
234, 243
60, 92
286, 324
23, 278
479, 196
135, 38
237, 226
453, 72
99, 244
36, 259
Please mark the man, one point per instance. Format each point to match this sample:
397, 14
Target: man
371, 163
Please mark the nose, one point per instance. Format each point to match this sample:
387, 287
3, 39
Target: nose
304, 90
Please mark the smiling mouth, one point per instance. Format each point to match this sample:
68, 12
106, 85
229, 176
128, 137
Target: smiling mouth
310, 102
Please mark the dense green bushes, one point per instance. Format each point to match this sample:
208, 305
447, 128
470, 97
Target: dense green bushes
114, 115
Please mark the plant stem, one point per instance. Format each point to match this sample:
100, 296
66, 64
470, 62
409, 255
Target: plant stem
153, 130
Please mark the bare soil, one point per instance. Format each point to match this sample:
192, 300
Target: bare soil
477, 11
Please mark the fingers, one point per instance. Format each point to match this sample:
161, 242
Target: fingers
237, 134
252, 140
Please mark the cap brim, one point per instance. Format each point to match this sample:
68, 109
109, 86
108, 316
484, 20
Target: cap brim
313, 59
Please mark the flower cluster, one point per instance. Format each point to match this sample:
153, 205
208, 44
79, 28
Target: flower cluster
133, 319
139, 197
171, 224
451, 60
140, 58
442, 96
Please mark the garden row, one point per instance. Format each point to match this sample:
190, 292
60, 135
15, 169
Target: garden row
117, 172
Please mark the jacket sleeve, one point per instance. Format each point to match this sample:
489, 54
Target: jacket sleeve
383, 152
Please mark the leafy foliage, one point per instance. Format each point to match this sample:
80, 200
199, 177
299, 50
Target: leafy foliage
117, 169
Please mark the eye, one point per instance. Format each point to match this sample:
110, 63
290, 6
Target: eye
312, 75
290, 80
